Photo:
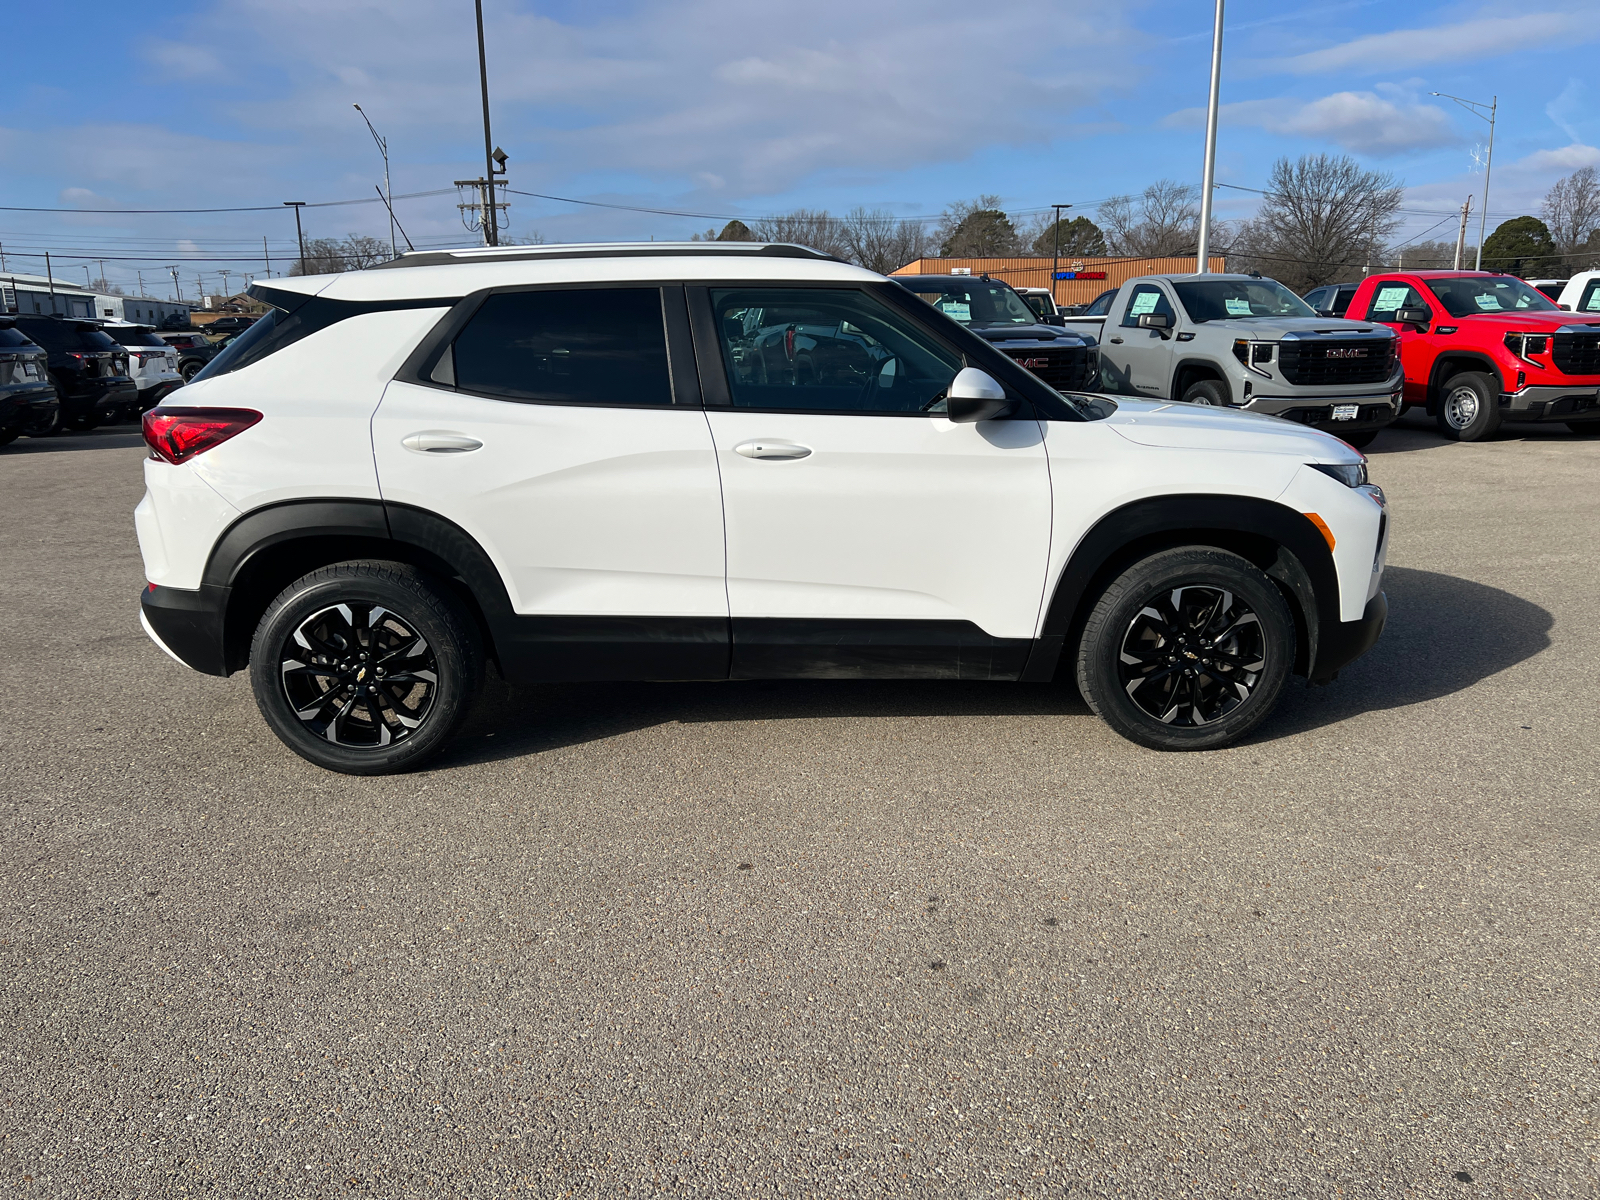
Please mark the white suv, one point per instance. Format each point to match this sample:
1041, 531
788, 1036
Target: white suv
703, 461
151, 362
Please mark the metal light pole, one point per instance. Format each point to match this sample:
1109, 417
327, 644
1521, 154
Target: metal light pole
383, 149
1202, 252
1476, 107
297, 205
1055, 267
491, 231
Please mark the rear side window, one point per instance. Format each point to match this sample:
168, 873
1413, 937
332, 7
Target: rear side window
581, 346
252, 344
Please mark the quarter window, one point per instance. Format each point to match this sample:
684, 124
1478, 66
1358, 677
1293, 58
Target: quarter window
818, 350
580, 346
1145, 299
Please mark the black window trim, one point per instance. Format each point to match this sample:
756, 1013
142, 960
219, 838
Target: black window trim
432, 363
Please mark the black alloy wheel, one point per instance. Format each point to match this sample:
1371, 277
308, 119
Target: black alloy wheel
366, 668
190, 369
1187, 650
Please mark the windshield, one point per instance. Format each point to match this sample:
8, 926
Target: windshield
980, 304
1468, 296
1239, 299
133, 337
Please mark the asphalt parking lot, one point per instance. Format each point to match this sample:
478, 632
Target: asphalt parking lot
817, 939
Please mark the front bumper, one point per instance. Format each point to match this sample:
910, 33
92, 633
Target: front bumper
188, 625
1372, 411
1340, 645
1551, 402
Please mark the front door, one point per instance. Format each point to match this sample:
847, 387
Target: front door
1142, 357
563, 449
1418, 350
868, 535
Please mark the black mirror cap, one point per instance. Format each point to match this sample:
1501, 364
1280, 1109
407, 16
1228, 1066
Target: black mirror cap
1052, 319
966, 410
1154, 321
1413, 316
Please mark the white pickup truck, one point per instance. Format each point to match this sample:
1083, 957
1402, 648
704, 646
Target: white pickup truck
1241, 341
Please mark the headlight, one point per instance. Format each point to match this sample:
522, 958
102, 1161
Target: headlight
1349, 474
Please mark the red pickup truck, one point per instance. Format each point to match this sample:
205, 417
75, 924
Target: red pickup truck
1479, 348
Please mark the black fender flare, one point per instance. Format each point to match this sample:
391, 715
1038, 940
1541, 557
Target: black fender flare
1276, 538
1437, 375
1208, 365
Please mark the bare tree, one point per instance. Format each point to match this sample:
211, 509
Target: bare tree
877, 241
327, 256
1425, 256
1571, 211
1164, 222
802, 227
1323, 218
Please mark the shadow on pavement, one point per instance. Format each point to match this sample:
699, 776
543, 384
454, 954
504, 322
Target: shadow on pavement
1444, 635
110, 437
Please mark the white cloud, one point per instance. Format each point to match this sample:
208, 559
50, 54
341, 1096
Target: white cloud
1566, 158
1465, 41
182, 60
1362, 122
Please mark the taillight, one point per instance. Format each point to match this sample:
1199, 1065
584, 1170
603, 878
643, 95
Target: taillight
177, 434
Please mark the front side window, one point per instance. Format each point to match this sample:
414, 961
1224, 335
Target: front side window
820, 350
1590, 300
1239, 299
1146, 298
1467, 297
1389, 298
579, 346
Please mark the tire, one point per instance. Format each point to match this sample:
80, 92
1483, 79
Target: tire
1207, 391
189, 370
7, 436
56, 425
1129, 678
1360, 440
1469, 408
1585, 428
84, 422
321, 623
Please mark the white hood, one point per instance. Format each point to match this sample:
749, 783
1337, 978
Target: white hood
1202, 427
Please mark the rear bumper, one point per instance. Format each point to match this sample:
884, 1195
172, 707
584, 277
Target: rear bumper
1551, 402
188, 625
100, 398
27, 408
1340, 645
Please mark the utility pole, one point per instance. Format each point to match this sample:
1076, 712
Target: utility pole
1461, 234
297, 205
1203, 249
266, 254
1055, 266
383, 149
88, 284
3, 266
140, 274
102, 263
177, 288
491, 229
50, 277
225, 290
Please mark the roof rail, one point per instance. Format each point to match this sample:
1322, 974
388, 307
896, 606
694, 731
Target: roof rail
464, 257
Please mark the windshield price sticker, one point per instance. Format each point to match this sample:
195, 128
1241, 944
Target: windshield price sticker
1487, 303
1145, 302
1238, 308
1390, 299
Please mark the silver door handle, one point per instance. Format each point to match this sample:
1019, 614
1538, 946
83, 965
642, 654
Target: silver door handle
437, 441
772, 449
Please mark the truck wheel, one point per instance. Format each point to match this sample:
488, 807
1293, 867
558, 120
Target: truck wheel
366, 668
1186, 650
189, 370
1469, 410
1207, 391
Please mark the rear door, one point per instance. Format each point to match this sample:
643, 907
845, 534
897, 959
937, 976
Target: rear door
562, 430
868, 535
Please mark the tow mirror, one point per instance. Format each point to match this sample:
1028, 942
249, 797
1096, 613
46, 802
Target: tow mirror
1414, 316
1154, 321
976, 395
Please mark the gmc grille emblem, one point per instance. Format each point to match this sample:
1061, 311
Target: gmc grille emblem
1347, 353
1034, 363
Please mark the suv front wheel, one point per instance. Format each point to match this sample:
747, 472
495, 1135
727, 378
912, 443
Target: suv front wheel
366, 668
1187, 650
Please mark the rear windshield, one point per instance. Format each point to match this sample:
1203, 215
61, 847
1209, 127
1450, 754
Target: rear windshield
13, 337
133, 337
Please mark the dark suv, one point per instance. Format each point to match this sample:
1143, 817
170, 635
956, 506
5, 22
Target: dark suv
89, 370
194, 349
995, 312
226, 325
27, 397
1332, 300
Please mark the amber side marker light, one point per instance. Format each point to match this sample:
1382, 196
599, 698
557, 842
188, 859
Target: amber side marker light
1322, 528
176, 435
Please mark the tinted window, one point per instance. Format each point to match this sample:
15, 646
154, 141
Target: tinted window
133, 337
1316, 296
1590, 301
235, 354
1239, 299
13, 337
1389, 298
589, 346
1465, 297
1101, 304
53, 335
979, 304
1146, 298
828, 351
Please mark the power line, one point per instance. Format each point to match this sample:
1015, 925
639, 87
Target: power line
245, 208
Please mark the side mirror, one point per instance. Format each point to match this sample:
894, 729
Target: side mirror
1564, 307
1326, 312
1154, 321
1414, 316
1052, 319
976, 395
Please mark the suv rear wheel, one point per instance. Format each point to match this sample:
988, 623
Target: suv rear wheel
1186, 650
1469, 410
366, 668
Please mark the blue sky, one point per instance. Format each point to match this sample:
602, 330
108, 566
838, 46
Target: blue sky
724, 107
